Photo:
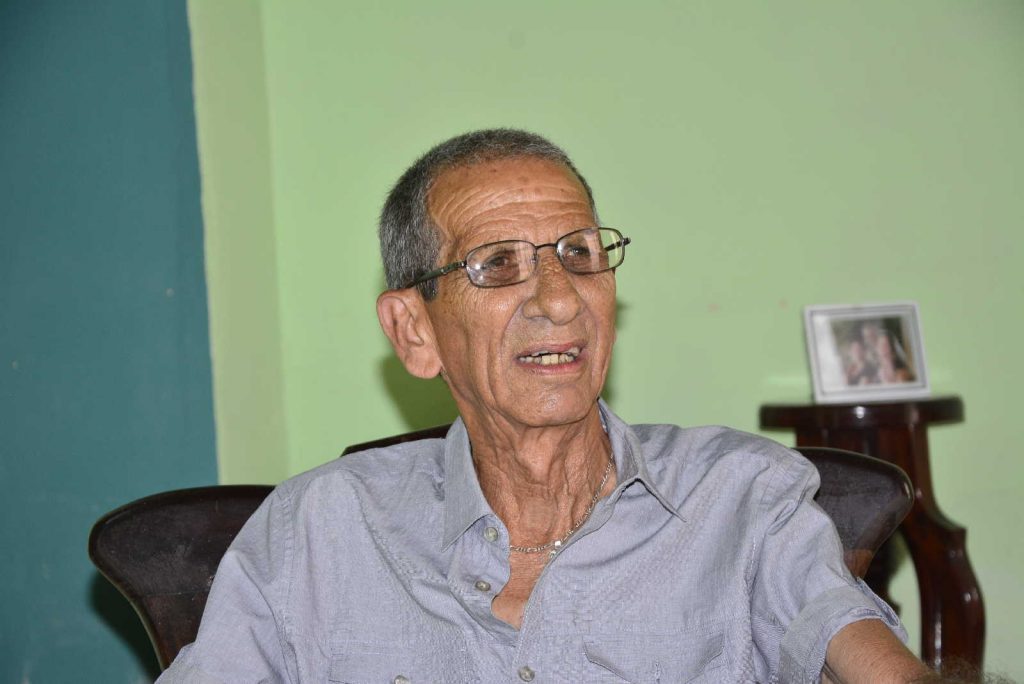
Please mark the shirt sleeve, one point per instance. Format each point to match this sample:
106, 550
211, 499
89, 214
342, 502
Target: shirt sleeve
802, 592
242, 634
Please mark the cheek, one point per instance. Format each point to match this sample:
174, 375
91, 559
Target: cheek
476, 324
602, 304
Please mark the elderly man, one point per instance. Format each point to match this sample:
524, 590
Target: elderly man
543, 539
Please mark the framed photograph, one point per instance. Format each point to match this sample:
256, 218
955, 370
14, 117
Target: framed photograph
870, 352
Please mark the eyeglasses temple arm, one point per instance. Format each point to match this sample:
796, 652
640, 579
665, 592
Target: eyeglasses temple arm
436, 273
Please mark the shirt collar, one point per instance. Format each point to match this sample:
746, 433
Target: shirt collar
465, 502
630, 464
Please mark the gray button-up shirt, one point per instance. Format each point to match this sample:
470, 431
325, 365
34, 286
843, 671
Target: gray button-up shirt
708, 563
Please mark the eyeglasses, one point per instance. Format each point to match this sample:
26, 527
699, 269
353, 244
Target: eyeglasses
497, 264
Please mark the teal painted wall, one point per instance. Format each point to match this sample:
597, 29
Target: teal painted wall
104, 355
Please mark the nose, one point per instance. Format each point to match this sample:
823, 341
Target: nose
554, 295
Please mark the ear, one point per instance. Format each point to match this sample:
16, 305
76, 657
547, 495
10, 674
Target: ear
403, 318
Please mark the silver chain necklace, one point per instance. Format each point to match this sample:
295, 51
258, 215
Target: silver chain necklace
556, 544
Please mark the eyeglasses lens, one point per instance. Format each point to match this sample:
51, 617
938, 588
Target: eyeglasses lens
591, 250
583, 251
500, 263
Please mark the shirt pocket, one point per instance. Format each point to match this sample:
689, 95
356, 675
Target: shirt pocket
657, 659
399, 664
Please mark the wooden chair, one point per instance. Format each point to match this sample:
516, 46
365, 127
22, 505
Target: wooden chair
162, 551
867, 499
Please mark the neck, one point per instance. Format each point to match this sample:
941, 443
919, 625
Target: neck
541, 481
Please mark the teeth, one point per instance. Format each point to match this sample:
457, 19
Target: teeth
550, 358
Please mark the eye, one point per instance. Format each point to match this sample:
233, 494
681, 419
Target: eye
582, 255
498, 261
579, 251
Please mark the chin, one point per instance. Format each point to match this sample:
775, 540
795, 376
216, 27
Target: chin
554, 410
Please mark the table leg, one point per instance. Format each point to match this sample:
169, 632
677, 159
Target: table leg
952, 610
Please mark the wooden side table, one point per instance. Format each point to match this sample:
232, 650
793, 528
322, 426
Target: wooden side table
952, 611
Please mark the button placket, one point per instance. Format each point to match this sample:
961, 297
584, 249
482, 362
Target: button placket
491, 534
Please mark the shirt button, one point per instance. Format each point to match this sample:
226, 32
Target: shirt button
482, 585
491, 534
400, 679
526, 674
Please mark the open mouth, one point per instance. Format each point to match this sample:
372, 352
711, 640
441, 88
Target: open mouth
550, 358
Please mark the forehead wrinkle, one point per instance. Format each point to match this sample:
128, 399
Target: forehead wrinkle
504, 225
525, 206
521, 188
501, 228
451, 203
538, 194
456, 203
470, 202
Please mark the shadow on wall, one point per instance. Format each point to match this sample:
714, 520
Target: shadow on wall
118, 615
422, 403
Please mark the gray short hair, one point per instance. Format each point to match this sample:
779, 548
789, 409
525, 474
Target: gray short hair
409, 240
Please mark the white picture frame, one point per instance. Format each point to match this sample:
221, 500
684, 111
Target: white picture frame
865, 352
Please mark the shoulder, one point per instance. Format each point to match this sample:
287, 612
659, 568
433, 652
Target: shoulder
709, 445
386, 478
706, 440
731, 461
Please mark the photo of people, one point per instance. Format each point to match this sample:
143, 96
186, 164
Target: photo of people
865, 352
873, 351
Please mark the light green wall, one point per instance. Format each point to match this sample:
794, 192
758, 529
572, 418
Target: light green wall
234, 152
763, 156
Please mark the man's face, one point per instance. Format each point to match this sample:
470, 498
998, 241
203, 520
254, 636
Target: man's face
491, 342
